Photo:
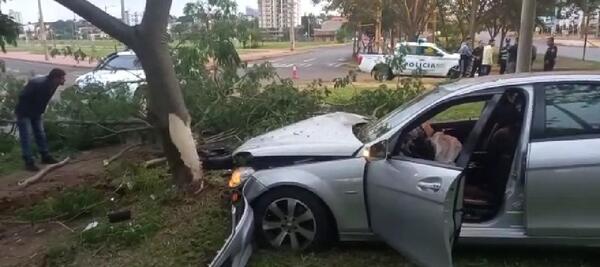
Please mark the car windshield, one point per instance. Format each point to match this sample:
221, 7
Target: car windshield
377, 128
124, 62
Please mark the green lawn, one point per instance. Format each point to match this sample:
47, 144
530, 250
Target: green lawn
97, 49
286, 45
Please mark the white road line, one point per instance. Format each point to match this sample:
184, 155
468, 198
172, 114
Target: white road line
305, 65
341, 59
339, 65
331, 64
310, 59
275, 60
12, 70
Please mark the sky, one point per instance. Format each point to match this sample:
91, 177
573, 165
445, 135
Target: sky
53, 11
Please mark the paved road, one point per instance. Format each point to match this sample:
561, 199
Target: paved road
592, 53
326, 63
26, 69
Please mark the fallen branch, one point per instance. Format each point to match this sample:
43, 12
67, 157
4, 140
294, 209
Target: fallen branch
26, 182
107, 162
139, 129
64, 226
154, 162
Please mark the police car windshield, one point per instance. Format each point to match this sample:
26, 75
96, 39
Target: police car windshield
377, 128
123, 62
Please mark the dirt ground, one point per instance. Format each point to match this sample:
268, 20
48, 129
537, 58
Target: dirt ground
23, 244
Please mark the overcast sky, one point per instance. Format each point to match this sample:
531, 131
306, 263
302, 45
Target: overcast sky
53, 11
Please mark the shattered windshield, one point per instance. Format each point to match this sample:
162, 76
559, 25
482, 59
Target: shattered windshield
377, 128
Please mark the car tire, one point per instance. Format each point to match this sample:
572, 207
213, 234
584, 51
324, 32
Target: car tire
382, 72
275, 228
453, 73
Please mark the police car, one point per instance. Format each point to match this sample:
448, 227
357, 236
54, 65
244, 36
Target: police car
424, 58
117, 68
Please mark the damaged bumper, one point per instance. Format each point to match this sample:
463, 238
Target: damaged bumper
238, 246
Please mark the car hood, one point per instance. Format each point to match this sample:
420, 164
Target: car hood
325, 135
105, 77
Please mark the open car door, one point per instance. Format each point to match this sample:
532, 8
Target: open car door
415, 205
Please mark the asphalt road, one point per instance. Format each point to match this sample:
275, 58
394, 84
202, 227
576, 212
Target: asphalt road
592, 53
25, 69
325, 63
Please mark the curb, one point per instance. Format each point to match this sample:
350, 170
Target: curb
47, 63
276, 56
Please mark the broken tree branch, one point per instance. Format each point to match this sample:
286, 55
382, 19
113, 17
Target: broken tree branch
154, 162
139, 129
26, 182
107, 162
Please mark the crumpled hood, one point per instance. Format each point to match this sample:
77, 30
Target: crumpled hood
325, 135
105, 77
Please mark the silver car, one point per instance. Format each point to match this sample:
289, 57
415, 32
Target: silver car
520, 159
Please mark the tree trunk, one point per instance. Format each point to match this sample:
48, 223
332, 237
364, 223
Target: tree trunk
168, 112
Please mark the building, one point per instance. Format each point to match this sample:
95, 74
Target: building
278, 14
251, 12
16, 15
329, 29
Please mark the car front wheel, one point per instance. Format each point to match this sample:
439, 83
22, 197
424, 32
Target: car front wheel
291, 218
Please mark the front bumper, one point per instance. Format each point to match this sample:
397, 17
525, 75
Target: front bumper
238, 246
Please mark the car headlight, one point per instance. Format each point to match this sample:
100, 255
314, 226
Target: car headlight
239, 176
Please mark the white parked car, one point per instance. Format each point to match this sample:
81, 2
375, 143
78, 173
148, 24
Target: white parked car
120, 67
423, 57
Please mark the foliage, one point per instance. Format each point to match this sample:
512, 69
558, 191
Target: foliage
70, 203
9, 31
9, 91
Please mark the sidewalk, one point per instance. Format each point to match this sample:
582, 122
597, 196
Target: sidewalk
58, 60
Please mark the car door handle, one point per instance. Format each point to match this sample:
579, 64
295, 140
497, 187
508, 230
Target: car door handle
429, 186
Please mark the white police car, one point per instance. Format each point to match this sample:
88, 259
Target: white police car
117, 68
422, 57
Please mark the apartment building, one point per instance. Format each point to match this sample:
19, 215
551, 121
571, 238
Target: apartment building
277, 14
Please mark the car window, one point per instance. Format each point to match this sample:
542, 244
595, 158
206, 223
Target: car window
461, 112
123, 62
412, 50
430, 51
571, 109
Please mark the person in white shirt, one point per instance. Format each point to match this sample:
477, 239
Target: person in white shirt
488, 59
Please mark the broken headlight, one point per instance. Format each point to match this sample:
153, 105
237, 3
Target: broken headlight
239, 176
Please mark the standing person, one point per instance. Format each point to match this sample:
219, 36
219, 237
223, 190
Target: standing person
488, 59
32, 103
511, 65
465, 57
550, 56
504, 56
477, 57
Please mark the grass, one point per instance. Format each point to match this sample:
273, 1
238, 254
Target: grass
97, 49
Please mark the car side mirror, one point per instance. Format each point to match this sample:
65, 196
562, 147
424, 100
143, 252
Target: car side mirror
377, 151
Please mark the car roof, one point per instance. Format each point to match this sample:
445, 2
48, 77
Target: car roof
417, 43
481, 83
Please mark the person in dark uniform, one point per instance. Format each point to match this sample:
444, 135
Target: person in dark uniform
550, 56
513, 50
477, 57
32, 103
466, 53
504, 56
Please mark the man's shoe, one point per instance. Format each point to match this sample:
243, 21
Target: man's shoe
48, 160
30, 166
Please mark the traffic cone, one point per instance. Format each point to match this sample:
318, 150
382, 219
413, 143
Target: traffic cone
294, 72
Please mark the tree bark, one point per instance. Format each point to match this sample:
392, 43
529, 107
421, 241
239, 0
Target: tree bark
167, 109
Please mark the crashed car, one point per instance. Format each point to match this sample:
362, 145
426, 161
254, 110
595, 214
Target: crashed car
523, 174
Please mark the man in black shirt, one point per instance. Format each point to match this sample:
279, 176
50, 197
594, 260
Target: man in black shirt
512, 57
477, 56
504, 56
32, 103
550, 56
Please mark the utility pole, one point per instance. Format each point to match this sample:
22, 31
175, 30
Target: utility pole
291, 26
123, 11
526, 36
43, 30
474, 9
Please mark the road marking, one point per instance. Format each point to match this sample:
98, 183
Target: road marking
341, 59
276, 60
339, 65
310, 59
305, 65
13, 70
